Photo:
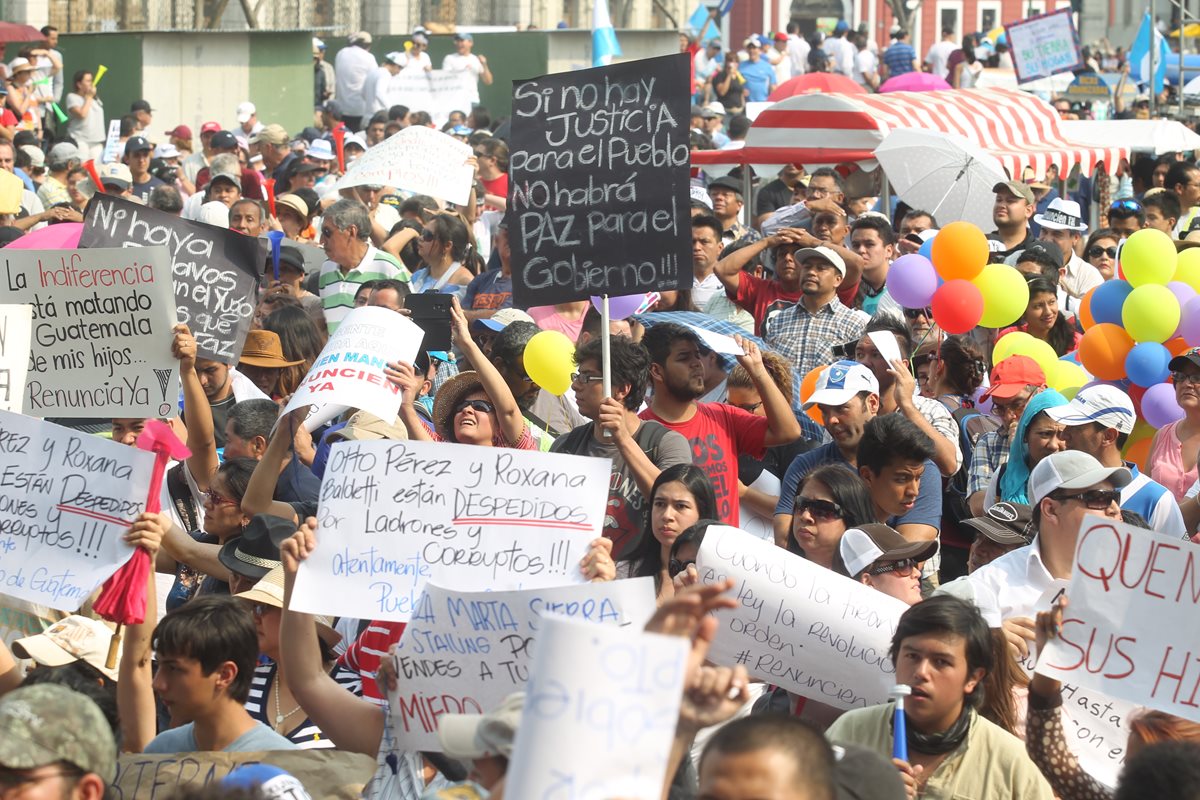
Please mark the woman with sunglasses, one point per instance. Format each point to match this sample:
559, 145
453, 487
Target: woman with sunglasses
1044, 320
831, 499
444, 246
474, 407
876, 555
1036, 437
681, 496
1101, 252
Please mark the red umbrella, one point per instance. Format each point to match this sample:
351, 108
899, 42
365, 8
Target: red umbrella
14, 32
815, 82
123, 598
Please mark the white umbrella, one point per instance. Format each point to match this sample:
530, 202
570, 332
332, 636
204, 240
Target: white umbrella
941, 173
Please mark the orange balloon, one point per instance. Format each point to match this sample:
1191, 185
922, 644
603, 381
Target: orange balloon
1139, 453
1176, 346
1103, 349
1085, 309
807, 386
960, 250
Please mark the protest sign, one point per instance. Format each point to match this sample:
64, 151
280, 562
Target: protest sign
349, 371
612, 696
1088, 87
101, 337
65, 500
325, 773
419, 160
798, 625
395, 515
216, 270
1044, 45
599, 181
438, 92
464, 652
112, 143
16, 333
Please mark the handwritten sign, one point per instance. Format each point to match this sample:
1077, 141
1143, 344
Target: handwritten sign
464, 652
101, 338
324, 773
417, 159
798, 625
1088, 87
1044, 45
599, 181
216, 270
438, 92
349, 371
613, 694
112, 143
16, 335
65, 500
395, 515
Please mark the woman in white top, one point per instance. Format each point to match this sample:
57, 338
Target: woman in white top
443, 246
966, 72
85, 123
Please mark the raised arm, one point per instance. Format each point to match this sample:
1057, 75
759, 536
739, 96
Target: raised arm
135, 695
512, 423
782, 425
197, 413
260, 493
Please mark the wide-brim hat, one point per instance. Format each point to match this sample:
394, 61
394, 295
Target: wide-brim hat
269, 592
264, 349
1062, 215
449, 396
256, 552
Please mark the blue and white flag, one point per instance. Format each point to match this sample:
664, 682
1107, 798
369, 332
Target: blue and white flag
604, 37
1139, 55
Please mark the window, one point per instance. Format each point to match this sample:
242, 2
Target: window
989, 15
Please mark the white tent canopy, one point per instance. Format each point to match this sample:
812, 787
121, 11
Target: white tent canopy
1156, 136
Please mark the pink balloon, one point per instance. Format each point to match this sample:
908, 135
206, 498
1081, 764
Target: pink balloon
912, 280
620, 307
1159, 406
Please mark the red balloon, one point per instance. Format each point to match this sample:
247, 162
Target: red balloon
957, 306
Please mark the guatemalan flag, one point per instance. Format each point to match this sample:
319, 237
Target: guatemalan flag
1139, 54
604, 37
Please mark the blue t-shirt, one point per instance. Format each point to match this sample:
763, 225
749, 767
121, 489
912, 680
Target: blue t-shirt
899, 59
183, 740
760, 77
488, 292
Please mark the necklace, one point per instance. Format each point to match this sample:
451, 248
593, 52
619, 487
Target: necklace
279, 715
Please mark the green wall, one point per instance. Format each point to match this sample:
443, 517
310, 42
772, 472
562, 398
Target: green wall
281, 78
120, 52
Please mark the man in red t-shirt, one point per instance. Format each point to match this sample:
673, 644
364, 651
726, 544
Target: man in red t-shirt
718, 433
492, 157
761, 296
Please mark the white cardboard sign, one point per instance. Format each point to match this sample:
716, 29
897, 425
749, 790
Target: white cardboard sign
419, 160
16, 332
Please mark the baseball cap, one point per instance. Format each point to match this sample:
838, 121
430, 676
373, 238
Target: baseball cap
1182, 360
226, 173
1012, 375
419, 38
166, 150
1072, 469
140, 105
394, 57
781, 37
1104, 404
804, 253
470, 736
210, 127
244, 112
267, 781
1018, 188
503, 318
865, 545
1039, 250
271, 134
294, 202
716, 108
62, 152
700, 195
840, 381
356, 139
223, 140
36, 157
706, 112
116, 174
136, 144
464, 37
75, 638
47, 723
360, 36
182, 132
842, 26
1005, 523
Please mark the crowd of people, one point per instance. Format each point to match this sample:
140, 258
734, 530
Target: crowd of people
914, 462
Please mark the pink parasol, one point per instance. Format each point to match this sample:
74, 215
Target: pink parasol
60, 236
914, 82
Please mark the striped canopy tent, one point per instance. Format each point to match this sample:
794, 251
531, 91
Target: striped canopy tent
815, 130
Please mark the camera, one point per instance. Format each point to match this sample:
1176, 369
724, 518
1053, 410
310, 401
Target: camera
165, 172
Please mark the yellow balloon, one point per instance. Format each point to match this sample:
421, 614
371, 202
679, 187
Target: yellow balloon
1151, 313
1148, 256
1026, 345
1187, 268
1005, 295
549, 360
1007, 344
1068, 378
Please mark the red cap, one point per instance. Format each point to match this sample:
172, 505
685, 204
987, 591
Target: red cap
181, 132
1012, 375
210, 127
781, 37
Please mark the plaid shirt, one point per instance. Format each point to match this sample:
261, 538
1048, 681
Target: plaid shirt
989, 455
806, 339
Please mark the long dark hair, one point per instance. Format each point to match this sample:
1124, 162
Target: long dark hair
647, 556
1061, 336
847, 489
299, 338
965, 365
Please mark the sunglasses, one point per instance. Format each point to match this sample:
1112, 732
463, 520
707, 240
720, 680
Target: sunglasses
482, 406
900, 568
820, 510
1097, 251
1095, 499
917, 313
676, 566
427, 236
1126, 205
218, 500
579, 377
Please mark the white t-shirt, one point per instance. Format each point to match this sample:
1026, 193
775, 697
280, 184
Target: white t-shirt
352, 66
937, 57
842, 53
469, 63
865, 62
798, 50
419, 61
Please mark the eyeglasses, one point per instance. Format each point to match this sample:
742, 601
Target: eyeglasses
1097, 251
1126, 205
218, 500
820, 510
482, 406
1182, 378
427, 236
579, 377
1095, 499
750, 408
675, 566
14, 779
900, 568
917, 313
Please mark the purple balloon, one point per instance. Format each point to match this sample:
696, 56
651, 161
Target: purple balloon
1184, 294
620, 307
1159, 406
912, 280
1189, 323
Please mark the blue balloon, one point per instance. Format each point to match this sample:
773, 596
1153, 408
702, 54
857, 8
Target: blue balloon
927, 248
1147, 363
1108, 299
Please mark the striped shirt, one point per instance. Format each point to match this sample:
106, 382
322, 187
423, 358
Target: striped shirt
337, 288
365, 653
304, 734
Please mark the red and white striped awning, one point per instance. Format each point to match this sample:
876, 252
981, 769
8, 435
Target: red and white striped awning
1016, 127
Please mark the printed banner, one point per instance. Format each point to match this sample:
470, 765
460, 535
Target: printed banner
395, 515
349, 371
798, 625
1044, 45
464, 652
599, 181
66, 498
598, 697
216, 270
16, 336
438, 92
102, 324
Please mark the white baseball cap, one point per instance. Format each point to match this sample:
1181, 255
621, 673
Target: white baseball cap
1072, 469
74, 638
245, 111
471, 736
700, 195
840, 381
805, 253
1104, 404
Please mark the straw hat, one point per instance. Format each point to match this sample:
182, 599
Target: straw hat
269, 592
